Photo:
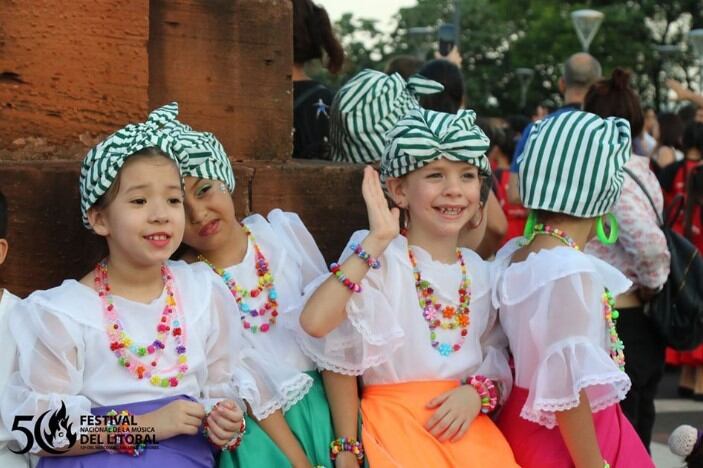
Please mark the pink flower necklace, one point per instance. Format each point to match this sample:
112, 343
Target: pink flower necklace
610, 314
445, 317
128, 352
265, 283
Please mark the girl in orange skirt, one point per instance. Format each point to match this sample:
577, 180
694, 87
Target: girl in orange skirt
412, 313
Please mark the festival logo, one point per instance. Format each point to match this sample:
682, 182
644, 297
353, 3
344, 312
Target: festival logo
54, 435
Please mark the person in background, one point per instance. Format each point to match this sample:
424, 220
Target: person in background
685, 178
640, 253
695, 100
500, 155
668, 149
581, 70
312, 32
646, 142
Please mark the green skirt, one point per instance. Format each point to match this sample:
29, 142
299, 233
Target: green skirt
309, 420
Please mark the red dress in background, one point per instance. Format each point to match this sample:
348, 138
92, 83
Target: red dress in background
678, 186
515, 213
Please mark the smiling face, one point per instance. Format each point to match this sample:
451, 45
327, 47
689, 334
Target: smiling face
441, 197
210, 216
143, 221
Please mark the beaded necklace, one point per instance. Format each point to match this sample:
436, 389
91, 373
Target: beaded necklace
265, 283
124, 347
444, 317
610, 314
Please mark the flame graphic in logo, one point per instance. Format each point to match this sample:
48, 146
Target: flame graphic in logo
60, 436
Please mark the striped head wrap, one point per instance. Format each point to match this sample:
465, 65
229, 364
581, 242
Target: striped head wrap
161, 130
367, 107
573, 164
423, 136
208, 160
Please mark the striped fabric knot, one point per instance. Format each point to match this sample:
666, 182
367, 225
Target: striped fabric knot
419, 85
367, 107
161, 130
573, 164
207, 159
423, 136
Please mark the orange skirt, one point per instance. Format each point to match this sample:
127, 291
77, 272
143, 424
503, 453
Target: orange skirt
393, 418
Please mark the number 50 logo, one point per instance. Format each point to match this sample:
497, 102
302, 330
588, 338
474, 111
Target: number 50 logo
55, 436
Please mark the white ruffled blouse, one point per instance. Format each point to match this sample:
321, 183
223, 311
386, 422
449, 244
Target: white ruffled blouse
386, 338
64, 351
294, 261
552, 312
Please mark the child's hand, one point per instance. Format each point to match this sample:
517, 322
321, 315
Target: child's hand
682, 93
224, 422
384, 222
456, 410
176, 418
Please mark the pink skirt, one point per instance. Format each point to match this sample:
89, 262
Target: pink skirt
536, 446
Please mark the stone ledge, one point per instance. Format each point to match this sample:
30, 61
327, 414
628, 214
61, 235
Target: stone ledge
48, 242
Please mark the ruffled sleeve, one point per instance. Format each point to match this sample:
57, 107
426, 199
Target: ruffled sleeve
569, 332
49, 374
372, 331
236, 370
300, 245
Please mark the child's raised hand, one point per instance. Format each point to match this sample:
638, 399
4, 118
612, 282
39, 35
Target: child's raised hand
456, 410
223, 422
176, 418
384, 222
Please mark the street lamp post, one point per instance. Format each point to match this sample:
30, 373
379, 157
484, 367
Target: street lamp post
421, 31
695, 38
586, 23
525, 76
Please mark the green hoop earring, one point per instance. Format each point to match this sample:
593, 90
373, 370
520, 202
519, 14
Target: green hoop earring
600, 230
530, 225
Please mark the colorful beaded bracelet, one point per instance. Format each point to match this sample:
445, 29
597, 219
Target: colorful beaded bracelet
342, 444
236, 439
337, 272
122, 434
364, 255
487, 391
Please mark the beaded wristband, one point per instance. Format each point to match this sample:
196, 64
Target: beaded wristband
364, 255
342, 444
236, 439
487, 391
121, 432
337, 272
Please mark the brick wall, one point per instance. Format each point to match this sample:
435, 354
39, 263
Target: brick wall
72, 72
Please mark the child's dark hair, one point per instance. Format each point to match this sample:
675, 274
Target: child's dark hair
3, 216
613, 97
670, 129
449, 75
109, 196
312, 31
693, 137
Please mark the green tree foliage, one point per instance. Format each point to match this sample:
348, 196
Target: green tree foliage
498, 36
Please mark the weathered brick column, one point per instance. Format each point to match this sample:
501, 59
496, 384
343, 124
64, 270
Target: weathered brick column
72, 72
